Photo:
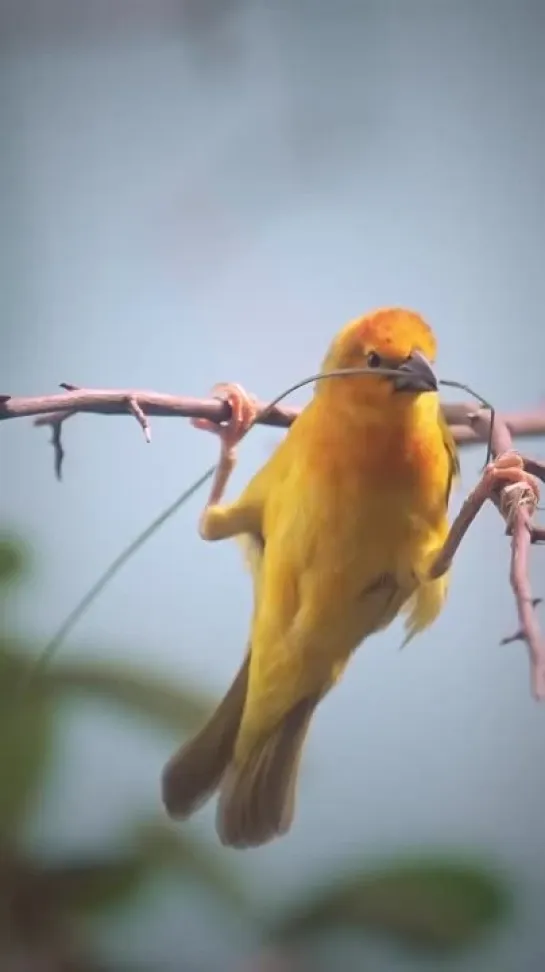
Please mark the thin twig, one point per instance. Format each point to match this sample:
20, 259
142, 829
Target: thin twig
460, 416
469, 510
140, 417
114, 402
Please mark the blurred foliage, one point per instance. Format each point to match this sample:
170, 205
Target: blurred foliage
177, 852
42, 901
14, 559
24, 748
435, 905
179, 709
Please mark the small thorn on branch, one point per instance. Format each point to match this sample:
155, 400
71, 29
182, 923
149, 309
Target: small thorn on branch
134, 409
56, 442
55, 420
519, 635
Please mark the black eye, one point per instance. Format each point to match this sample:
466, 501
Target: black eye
373, 360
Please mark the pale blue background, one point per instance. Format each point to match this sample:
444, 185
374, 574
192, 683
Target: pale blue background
178, 211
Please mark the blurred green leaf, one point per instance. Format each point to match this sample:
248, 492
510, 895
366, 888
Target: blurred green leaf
26, 736
435, 904
181, 709
25, 740
13, 663
14, 558
185, 854
93, 885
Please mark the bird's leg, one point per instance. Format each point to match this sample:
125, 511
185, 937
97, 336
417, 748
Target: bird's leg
506, 482
217, 522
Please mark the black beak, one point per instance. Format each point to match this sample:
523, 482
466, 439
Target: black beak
415, 375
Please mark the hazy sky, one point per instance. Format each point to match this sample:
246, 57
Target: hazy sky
175, 214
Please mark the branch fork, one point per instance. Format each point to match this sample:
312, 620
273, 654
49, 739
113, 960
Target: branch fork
517, 501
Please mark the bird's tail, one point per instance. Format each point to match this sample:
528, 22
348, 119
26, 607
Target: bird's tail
257, 795
195, 771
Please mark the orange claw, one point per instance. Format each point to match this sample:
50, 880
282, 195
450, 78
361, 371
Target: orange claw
244, 409
520, 487
509, 468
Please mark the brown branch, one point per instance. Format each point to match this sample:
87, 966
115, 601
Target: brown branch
520, 582
517, 506
461, 417
97, 401
469, 510
469, 425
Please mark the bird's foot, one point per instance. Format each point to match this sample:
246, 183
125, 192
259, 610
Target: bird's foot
518, 487
244, 410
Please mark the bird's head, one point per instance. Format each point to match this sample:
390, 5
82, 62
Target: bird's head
391, 338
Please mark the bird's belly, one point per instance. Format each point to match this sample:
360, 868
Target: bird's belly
341, 562
334, 571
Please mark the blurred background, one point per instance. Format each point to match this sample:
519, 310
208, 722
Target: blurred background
201, 190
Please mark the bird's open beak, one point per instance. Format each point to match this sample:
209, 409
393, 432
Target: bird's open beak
415, 375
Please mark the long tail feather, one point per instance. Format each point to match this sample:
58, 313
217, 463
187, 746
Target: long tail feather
257, 797
194, 772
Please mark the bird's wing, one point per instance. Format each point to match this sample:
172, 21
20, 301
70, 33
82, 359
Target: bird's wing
426, 603
253, 548
452, 452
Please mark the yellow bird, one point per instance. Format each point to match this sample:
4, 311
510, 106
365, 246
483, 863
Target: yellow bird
341, 526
